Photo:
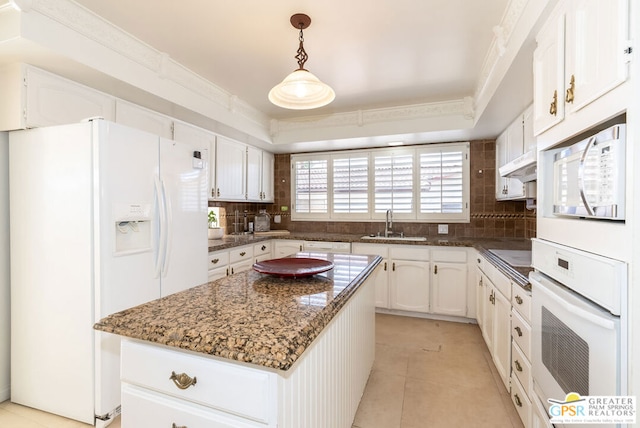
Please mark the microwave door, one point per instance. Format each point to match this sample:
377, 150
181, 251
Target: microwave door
588, 177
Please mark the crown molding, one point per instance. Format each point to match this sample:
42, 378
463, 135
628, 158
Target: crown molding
85, 22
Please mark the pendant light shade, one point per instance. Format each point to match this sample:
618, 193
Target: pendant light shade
301, 90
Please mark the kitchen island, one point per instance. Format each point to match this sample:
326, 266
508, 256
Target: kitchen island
251, 350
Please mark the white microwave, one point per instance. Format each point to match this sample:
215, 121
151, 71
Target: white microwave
589, 177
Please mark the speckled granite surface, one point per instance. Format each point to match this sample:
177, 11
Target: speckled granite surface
249, 317
518, 274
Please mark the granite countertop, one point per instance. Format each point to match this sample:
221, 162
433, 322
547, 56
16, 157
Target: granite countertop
248, 317
483, 245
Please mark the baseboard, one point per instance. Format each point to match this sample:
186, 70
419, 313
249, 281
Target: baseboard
426, 316
5, 393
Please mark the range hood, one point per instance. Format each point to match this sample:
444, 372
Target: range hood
524, 167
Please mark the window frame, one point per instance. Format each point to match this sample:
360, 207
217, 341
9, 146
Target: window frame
415, 215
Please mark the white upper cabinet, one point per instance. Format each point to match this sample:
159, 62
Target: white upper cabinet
513, 142
260, 165
34, 98
133, 115
231, 172
268, 171
201, 137
582, 54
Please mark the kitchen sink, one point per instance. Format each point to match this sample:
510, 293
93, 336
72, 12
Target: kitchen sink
396, 238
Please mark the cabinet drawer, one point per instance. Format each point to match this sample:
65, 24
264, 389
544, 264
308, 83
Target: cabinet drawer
521, 333
225, 386
453, 256
371, 249
521, 301
521, 366
521, 401
262, 248
240, 254
413, 252
500, 280
149, 409
218, 260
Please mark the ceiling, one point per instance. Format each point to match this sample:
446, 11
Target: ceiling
382, 54
391, 54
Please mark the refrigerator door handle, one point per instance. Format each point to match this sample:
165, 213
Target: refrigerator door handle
168, 227
162, 223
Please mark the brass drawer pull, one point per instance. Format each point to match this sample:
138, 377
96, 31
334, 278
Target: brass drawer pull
553, 108
182, 380
519, 331
173, 425
517, 400
215, 261
243, 253
517, 364
570, 92
264, 247
519, 300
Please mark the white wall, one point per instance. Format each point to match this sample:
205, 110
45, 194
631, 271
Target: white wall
4, 269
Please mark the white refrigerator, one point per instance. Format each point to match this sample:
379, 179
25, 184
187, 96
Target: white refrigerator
103, 217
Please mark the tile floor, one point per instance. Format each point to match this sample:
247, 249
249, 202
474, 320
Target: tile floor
431, 373
427, 374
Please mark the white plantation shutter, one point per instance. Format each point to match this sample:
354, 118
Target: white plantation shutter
428, 183
393, 182
311, 186
444, 182
351, 184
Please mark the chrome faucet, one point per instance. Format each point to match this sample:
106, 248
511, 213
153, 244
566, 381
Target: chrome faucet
388, 224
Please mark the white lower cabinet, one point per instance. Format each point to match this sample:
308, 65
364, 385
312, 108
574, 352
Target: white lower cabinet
523, 398
169, 387
286, 247
496, 316
382, 278
218, 264
240, 259
424, 279
262, 251
449, 282
409, 285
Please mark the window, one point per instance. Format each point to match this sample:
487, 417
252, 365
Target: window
351, 184
311, 189
443, 182
393, 178
428, 183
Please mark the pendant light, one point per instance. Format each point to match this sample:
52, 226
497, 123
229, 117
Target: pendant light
301, 90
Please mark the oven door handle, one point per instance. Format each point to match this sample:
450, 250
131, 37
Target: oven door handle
594, 319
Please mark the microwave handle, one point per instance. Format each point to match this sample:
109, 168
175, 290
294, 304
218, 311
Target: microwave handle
581, 176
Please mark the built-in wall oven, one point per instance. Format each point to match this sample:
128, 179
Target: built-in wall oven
578, 341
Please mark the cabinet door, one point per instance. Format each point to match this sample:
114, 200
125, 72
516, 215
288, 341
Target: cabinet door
480, 301
230, 170
548, 74
200, 137
449, 285
268, 169
529, 140
502, 336
147, 120
488, 312
284, 248
501, 159
595, 53
240, 266
254, 174
382, 285
409, 285
53, 100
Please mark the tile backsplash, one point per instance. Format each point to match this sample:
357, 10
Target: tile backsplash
489, 218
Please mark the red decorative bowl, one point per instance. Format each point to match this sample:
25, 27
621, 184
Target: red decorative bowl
293, 267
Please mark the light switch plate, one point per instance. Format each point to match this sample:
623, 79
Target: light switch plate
443, 229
